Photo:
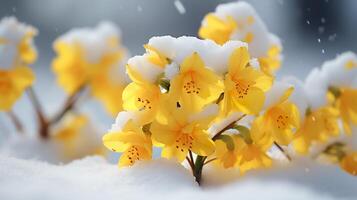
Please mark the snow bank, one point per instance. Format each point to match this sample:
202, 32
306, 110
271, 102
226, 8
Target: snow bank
94, 178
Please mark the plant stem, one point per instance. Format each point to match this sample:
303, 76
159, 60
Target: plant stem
210, 160
200, 160
68, 105
191, 163
283, 151
17, 123
42, 121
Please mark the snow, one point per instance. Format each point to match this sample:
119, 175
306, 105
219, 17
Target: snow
332, 73
12, 32
177, 49
87, 141
95, 178
179, 6
241, 11
146, 69
94, 41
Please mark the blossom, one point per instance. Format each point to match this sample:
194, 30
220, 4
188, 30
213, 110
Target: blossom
318, 126
16, 43
141, 96
244, 85
349, 163
16, 53
345, 102
78, 137
180, 132
76, 64
228, 149
239, 21
216, 29
282, 119
255, 145
132, 141
13, 83
195, 85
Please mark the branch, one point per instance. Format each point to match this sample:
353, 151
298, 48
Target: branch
229, 126
283, 151
42, 120
68, 105
17, 123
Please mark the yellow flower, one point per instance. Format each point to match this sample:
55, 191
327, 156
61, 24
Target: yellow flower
155, 57
27, 52
272, 61
244, 85
318, 126
78, 141
349, 163
281, 119
178, 133
195, 85
348, 107
217, 29
141, 96
72, 68
109, 92
227, 151
132, 141
13, 83
254, 147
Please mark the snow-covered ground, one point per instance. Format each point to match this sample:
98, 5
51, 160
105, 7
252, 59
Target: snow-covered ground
95, 178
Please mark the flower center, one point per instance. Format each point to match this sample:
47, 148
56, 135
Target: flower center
184, 142
145, 103
190, 87
282, 121
133, 154
242, 88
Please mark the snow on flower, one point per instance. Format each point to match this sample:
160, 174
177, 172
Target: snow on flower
17, 51
92, 57
239, 21
16, 43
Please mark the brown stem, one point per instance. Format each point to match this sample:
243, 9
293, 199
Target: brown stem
200, 160
210, 160
229, 126
191, 163
17, 123
283, 151
68, 105
42, 120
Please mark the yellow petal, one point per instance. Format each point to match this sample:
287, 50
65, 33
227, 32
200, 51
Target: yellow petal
238, 61
202, 144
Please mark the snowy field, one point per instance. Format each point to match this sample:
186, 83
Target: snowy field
95, 178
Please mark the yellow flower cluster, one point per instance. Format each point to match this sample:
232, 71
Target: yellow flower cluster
92, 58
179, 96
176, 114
239, 21
16, 54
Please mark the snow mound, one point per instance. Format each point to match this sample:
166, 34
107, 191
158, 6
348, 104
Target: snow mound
95, 178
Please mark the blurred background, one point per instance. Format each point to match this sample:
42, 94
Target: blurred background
311, 32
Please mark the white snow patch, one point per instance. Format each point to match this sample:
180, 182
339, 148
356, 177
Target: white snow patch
11, 34
94, 178
177, 49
